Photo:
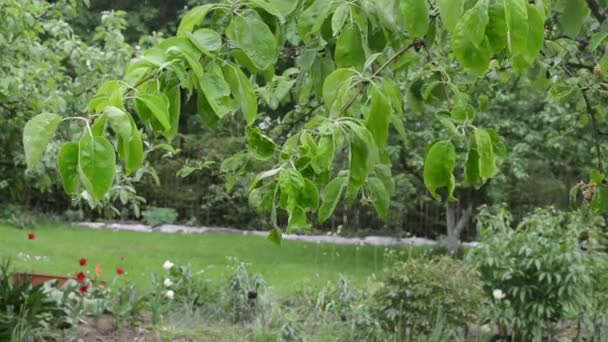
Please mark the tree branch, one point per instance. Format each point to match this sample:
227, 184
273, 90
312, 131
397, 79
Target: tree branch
383, 67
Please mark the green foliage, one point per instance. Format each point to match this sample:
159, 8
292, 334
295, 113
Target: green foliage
158, 216
26, 308
414, 294
246, 295
539, 266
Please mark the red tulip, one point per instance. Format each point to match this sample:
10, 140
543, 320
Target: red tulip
120, 271
84, 288
83, 262
31, 236
80, 277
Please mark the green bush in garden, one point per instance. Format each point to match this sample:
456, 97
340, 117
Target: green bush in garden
153, 216
537, 272
413, 295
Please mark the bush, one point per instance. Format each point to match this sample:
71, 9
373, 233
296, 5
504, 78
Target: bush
413, 295
246, 295
154, 217
538, 267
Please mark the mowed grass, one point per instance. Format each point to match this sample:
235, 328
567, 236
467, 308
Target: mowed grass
285, 267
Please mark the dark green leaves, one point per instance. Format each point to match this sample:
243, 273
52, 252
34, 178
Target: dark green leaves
349, 48
416, 15
67, 165
439, 167
36, 135
96, 165
331, 196
206, 40
255, 38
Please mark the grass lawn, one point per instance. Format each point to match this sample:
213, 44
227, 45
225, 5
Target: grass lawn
284, 267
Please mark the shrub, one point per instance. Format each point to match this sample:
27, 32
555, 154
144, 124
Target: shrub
413, 295
538, 267
154, 216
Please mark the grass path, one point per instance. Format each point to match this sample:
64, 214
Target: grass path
284, 267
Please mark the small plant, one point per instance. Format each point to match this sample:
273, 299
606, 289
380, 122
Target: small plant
154, 216
246, 295
414, 294
536, 273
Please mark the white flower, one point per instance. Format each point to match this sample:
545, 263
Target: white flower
170, 294
168, 282
168, 265
498, 294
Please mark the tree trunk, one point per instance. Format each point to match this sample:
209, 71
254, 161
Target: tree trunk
454, 229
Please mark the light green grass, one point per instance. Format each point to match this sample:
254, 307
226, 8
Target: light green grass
284, 267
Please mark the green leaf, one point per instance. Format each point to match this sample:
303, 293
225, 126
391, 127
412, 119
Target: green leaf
498, 145
470, 55
450, 11
311, 20
463, 113
275, 236
297, 219
308, 198
379, 117
349, 48
325, 154
206, 40
67, 165
573, 16
96, 165
37, 133
255, 38
333, 83
363, 154
497, 26
339, 17
439, 166
157, 105
243, 92
194, 18
383, 172
131, 149
262, 146
99, 126
380, 196
416, 15
516, 18
216, 90
485, 149
475, 22
471, 169
535, 40
119, 121
331, 195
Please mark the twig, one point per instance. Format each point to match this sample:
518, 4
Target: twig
443, 78
383, 67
